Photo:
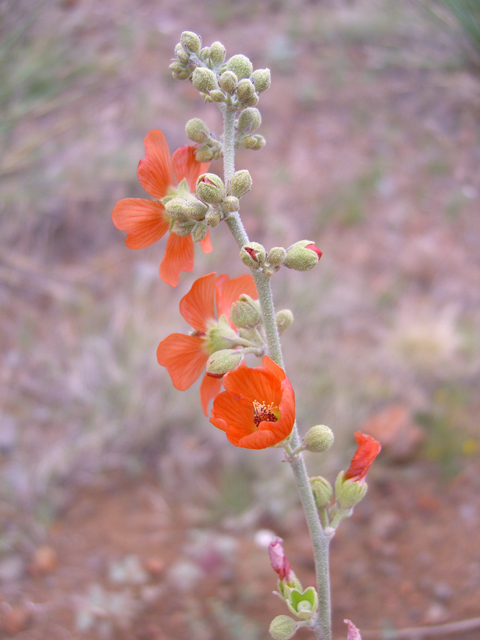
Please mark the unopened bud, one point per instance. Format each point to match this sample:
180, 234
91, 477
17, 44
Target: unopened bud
241, 183
191, 41
249, 120
217, 53
197, 130
302, 256
228, 81
276, 256
284, 319
245, 89
240, 65
221, 336
253, 255
213, 217
204, 53
204, 80
175, 208
282, 628
182, 229
220, 362
262, 80
210, 188
182, 55
199, 232
322, 491
195, 209
204, 154
252, 101
179, 72
230, 204
245, 312
259, 143
348, 493
217, 95
318, 439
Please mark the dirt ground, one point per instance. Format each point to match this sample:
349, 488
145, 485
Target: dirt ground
123, 515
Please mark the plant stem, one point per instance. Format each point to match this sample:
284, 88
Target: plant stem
320, 541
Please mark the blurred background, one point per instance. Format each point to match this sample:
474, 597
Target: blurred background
123, 512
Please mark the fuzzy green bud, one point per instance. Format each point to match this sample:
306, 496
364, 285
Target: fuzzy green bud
348, 493
252, 101
276, 256
262, 80
240, 65
228, 81
210, 188
204, 53
179, 72
322, 491
253, 255
204, 154
197, 130
282, 628
318, 439
213, 217
182, 229
199, 232
249, 120
284, 319
259, 143
175, 208
221, 336
302, 256
217, 95
191, 41
220, 362
204, 80
245, 89
245, 312
241, 183
230, 204
195, 209
217, 53
182, 55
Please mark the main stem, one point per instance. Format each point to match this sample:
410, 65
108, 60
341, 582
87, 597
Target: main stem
320, 540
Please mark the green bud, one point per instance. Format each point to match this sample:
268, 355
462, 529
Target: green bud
276, 256
217, 53
249, 142
259, 143
253, 255
252, 101
282, 628
262, 80
223, 361
213, 217
217, 95
197, 130
182, 229
195, 209
318, 439
322, 491
241, 183
348, 493
204, 53
179, 72
245, 89
303, 604
221, 336
175, 208
191, 41
268, 270
199, 232
249, 120
302, 256
181, 54
228, 81
240, 65
284, 319
204, 80
231, 203
210, 188
204, 154
245, 312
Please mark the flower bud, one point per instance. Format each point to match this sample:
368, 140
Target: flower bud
240, 65
217, 95
276, 256
241, 183
252, 101
217, 53
230, 204
175, 208
191, 41
303, 604
259, 143
322, 491
228, 81
213, 217
181, 228
182, 55
210, 188
262, 80
221, 336
199, 232
204, 53
302, 256
245, 312
179, 72
253, 255
220, 362
195, 209
197, 130
318, 439
284, 319
249, 120
204, 80
348, 493
245, 89
282, 628
204, 154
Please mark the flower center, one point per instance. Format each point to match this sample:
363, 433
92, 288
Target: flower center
264, 412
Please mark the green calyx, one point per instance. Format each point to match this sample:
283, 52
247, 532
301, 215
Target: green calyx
300, 257
245, 89
276, 256
245, 312
197, 130
240, 65
284, 319
191, 41
240, 183
228, 81
253, 255
262, 80
254, 142
318, 439
230, 204
249, 120
348, 493
204, 80
223, 361
322, 491
199, 232
220, 336
282, 628
210, 188
217, 53
303, 604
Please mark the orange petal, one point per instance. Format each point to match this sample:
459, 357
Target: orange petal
178, 257
274, 368
368, 450
237, 417
183, 357
253, 383
143, 220
154, 171
258, 440
186, 166
209, 389
228, 291
206, 244
197, 306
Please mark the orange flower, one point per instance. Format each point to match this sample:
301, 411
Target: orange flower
368, 450
185, 356
257, 408
146, 221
